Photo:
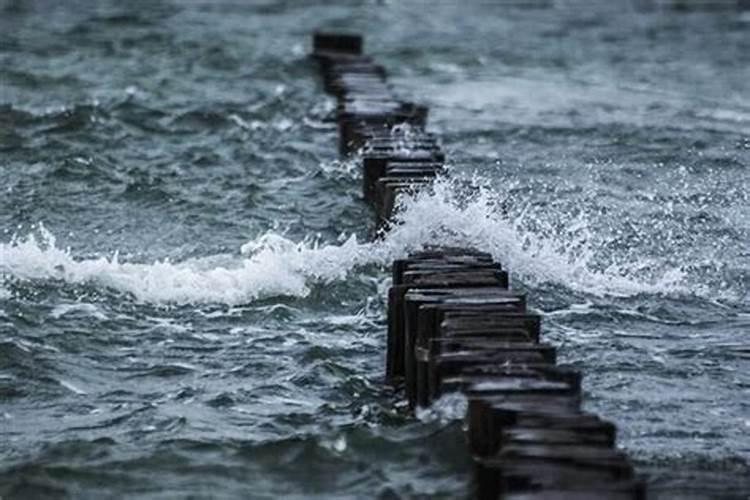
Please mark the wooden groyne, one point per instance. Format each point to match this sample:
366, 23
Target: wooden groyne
455, 326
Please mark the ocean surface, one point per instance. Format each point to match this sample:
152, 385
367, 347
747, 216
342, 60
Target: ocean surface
191, 289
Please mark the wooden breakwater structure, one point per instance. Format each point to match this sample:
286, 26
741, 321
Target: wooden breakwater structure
455, 326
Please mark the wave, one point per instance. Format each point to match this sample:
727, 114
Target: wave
192, 281
533, 250
273, 265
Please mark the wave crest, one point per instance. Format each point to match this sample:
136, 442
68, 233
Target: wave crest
273, 265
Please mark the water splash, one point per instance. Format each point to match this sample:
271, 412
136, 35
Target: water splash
448, 408
36, 257
272, 264
536, 252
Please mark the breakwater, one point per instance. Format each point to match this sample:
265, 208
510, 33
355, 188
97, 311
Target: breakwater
453, 323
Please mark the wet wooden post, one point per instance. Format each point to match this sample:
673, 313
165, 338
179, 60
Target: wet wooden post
453, 323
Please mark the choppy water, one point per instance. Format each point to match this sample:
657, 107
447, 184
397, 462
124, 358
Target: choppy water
190, 295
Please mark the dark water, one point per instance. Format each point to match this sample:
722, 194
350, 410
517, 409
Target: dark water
190, 302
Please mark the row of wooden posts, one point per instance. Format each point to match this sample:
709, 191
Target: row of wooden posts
455, 326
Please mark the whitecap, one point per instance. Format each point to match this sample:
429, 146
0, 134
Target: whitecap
274, 265
537, 256
83, 308
37, 258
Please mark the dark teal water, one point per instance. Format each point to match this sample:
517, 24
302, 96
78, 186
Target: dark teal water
191, 302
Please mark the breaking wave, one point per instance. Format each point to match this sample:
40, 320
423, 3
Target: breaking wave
273, 265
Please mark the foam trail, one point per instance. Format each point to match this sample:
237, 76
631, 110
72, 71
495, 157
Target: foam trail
273, 265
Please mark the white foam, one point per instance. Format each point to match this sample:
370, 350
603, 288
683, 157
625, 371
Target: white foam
194, 280
82, 308
566, 259
449, 407
4, 293
272, 264
341, 169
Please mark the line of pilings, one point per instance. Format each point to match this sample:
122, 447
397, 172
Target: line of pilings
455, 326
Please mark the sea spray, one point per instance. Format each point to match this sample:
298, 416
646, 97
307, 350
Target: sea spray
38, 257
526, 243
273, 265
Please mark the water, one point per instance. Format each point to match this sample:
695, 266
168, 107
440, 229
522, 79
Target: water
191, 301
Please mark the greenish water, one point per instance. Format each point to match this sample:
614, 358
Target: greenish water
191, 299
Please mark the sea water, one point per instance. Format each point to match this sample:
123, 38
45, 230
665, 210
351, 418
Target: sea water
192, 290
